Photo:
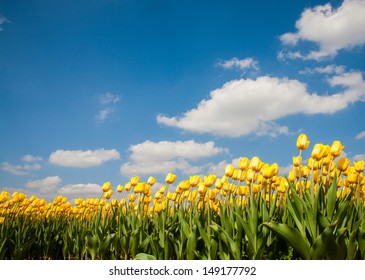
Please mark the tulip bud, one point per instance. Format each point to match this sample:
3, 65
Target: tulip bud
170, 178
342, 164
359, 166
297, 161
302, 142
256, 164
151, 180
106, 186
228, 171
336, 148
194, 180
243, 163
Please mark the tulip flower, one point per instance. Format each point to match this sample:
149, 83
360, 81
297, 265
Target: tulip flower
151, 180
229, 170
359, 166
336, 148
134, 180
256, 164
342, 164
302, 142
243, 163
170, 178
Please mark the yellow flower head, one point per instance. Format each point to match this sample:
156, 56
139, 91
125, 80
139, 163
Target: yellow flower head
228, 171
151, 180
302, 142
256, 164
359, 166
336, 148
170, 178
243, 163
342, 164
106, 187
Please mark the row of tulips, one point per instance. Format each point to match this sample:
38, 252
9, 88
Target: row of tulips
315, 212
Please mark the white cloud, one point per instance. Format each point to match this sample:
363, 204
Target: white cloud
358, 157
86, 190
20, 169
103, 115
246, 106
46, 185
361, 135
165, 156
108, 98
30, 158
332, 29
83, 159
106, 112
2, 20
240, 64
329, 69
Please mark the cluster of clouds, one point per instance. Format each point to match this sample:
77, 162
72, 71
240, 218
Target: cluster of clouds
253, 106
108, 102
239, 108
2, 21
329, 29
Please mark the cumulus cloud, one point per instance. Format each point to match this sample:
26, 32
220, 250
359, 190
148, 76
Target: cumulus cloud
239, 63
82, 159
86, 190
329, 69
108, 98
358, 157
103, 115
360, 135
30, 158
246, 106
46, 185
20, 169
165, 156
2, 21
331, 29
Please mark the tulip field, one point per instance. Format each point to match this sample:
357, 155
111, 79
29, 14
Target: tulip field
316, 211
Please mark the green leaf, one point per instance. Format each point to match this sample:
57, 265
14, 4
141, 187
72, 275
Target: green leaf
293, 237
324, 244
191, 244
144, 256
331, 198
361, 240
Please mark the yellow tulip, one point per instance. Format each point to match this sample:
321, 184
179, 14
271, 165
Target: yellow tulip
120, 188
297, 161
139, 188
2, 219
359, 166
4, 196
209, 180
256, 164
336, 148
170, 178
243, 163
106, 187
243, 190
108, 194
302, 142
194, 180
151, 180
134, 180
228, 171
317, 151
312, 163
342, 164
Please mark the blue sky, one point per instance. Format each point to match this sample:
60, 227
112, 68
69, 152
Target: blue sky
95, 91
